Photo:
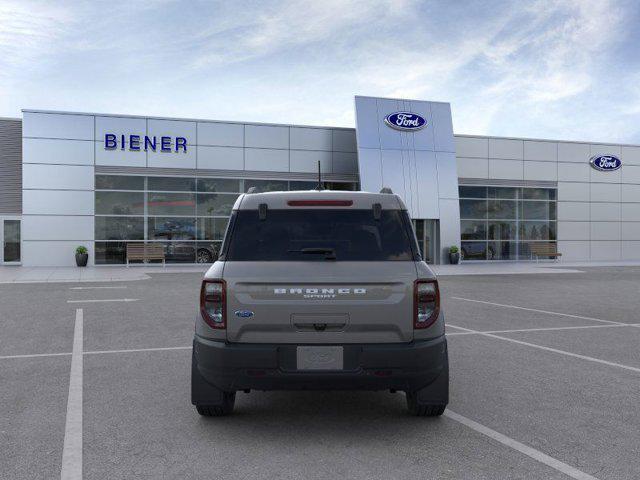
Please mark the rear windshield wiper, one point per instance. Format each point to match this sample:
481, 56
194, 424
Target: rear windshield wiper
330, 253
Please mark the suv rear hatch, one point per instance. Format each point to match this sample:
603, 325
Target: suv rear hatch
320, 275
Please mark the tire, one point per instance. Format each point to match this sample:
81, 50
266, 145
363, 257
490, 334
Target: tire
422, 410
204, 256
219, 410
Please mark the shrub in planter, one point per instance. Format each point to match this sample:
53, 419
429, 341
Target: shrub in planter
82, 256
454, 255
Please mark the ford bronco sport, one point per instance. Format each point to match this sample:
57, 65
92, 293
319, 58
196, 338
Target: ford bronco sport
319, 290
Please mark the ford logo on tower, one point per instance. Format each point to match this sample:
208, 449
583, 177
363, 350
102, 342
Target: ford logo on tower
405, 121
605, 163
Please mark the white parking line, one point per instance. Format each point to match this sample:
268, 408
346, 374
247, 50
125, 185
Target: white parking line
107, 300
98, 288
549, 349
159, 349
543, 329
538, 311
537, 455
72, 449
35, 355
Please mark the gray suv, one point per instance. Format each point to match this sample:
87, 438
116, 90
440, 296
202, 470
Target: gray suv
319, 290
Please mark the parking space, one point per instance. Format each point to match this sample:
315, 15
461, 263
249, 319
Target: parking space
557, 398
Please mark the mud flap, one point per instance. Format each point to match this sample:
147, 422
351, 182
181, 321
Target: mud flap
437, 392
202, 392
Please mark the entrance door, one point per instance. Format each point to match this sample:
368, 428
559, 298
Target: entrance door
427, 234
10, 240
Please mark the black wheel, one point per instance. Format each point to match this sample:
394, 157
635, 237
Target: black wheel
221, 409
421, 410
204, 256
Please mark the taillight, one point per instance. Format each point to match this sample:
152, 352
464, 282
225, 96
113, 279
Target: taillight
213, 303
426, 303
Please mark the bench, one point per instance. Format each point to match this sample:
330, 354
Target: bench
145, 252
544, 250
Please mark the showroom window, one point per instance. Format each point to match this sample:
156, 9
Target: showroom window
187, 216
501, 223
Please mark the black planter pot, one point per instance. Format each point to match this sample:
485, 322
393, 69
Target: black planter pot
454, 258
82, 259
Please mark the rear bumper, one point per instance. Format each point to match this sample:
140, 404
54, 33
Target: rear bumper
407, 366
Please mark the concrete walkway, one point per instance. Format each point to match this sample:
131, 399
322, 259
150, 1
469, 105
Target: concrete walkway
19, 274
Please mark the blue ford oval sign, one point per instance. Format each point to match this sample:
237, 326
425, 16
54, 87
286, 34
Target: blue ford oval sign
243, 313
605, 163
405, 121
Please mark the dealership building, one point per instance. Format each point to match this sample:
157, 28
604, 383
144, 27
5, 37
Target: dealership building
106, 181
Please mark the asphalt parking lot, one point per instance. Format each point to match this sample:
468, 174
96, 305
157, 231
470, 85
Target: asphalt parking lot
545, 384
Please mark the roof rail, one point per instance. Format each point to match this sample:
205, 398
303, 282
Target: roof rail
252, 190
386, 190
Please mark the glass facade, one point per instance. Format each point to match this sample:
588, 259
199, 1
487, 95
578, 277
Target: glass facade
500, 223
187, 215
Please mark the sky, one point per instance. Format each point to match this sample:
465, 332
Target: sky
540, 69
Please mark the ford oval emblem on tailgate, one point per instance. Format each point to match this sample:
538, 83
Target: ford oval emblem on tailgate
243, 313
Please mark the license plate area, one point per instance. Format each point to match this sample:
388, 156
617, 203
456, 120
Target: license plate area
320, 358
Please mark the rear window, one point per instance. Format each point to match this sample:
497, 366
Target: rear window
306, 234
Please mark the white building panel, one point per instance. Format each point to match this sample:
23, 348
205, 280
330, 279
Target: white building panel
574, 211
57, 125
266, 136
57, 177
605, 230
57, 202
574, 251
605, 192
344, 141
55, 227
307, 161
120, 126
473, 167
547, 171
266, 160
173, 159
345, 162
393, 173
472, 147
442, 127
630, 230
172, 128
220, 134
573, 192
506, 149
449, 226
630, 174
574, 152
544, 151
630, 155
119, 157
62, 152
630, 212
630, 193
596, 176
573, 231
428, 197
370, 166
447, 175
220, 158
597, 149
630, 250
605, 251
605, 212
311, 139
574, 172
506, 169
52, 253
367, 121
